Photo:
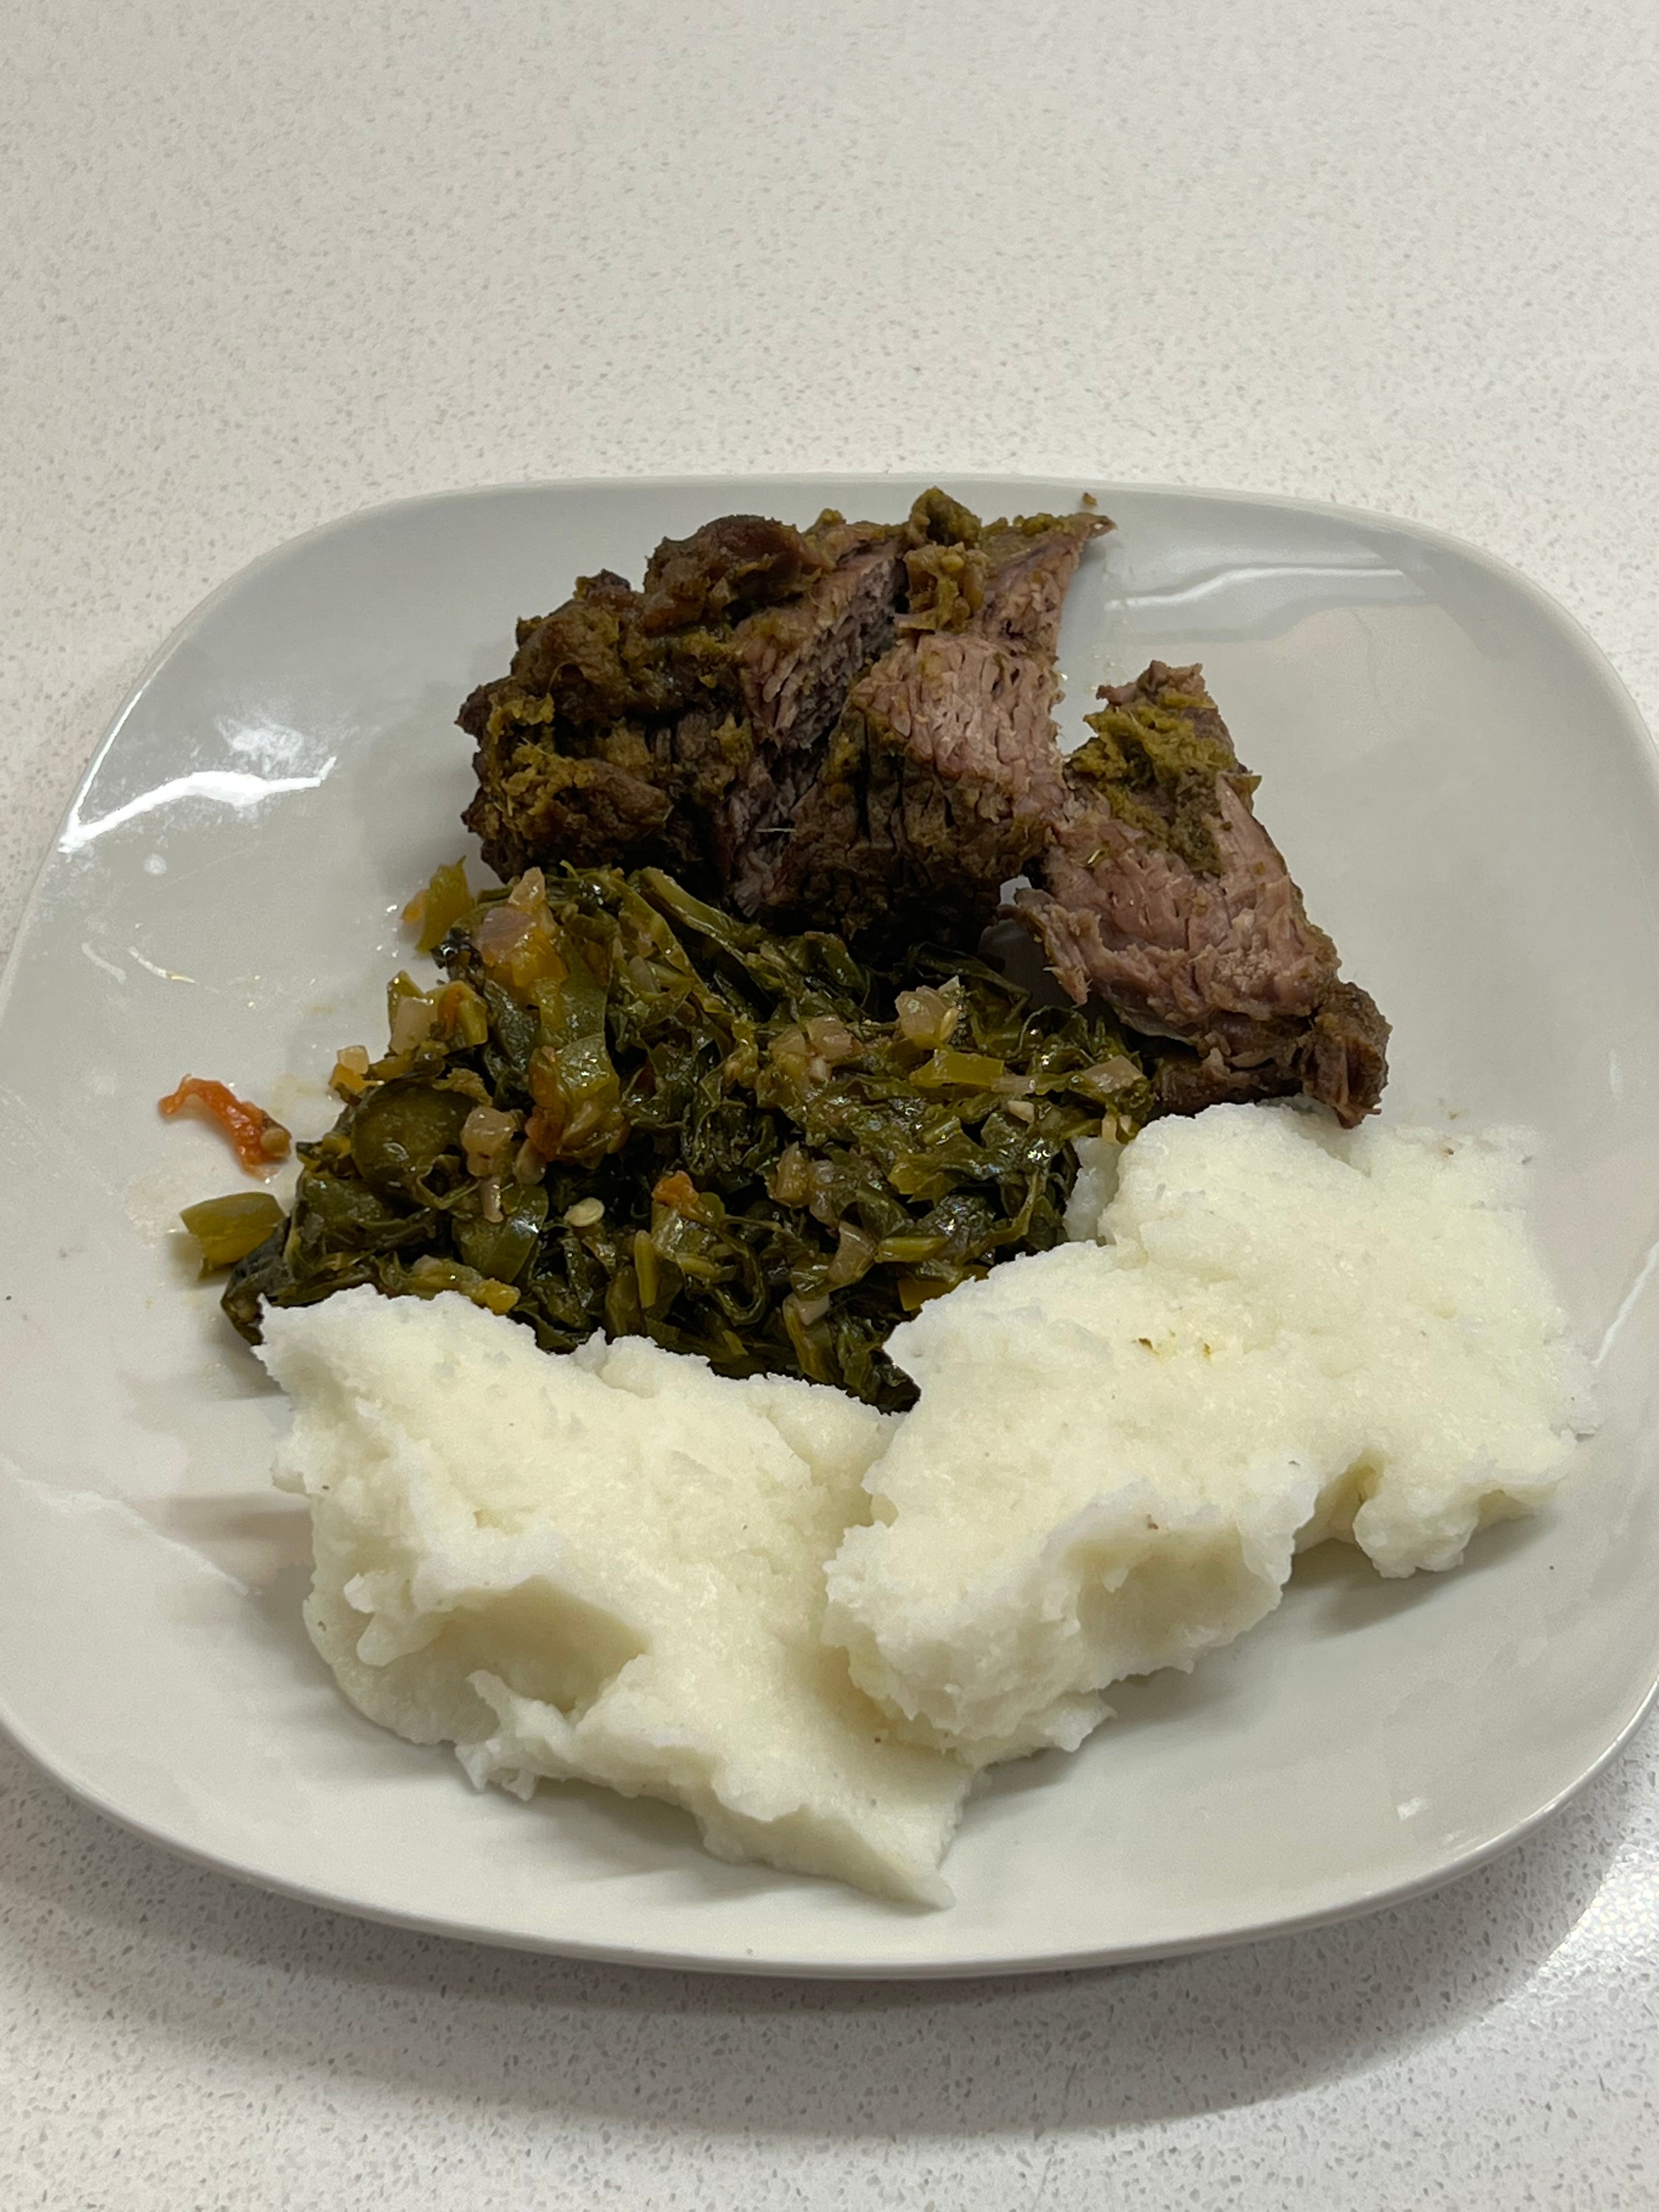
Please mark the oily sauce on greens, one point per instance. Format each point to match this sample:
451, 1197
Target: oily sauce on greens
625, 1110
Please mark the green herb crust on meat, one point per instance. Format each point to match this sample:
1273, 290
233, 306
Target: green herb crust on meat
627, 1111
1159, 754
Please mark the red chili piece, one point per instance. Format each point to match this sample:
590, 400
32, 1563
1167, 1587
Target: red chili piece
260, 1140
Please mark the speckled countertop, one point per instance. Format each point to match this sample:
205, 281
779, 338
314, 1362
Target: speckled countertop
267, 264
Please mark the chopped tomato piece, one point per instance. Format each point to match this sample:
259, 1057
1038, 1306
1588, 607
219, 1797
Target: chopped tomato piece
260, 1140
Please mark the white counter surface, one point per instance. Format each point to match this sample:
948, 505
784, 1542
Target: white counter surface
266, 264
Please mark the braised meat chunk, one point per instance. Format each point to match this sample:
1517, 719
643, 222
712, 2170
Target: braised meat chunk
1161, 893
943, 777
850, 729
651, 725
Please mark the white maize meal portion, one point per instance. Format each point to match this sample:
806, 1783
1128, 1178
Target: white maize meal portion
808, 1623
1290, 1332
605, 1566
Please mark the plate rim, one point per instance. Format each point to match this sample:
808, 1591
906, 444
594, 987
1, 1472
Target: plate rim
997, 1966
882, 1967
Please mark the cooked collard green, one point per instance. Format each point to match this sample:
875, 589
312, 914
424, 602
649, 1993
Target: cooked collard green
625, 1110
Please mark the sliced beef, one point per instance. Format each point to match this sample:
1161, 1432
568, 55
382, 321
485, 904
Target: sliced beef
1160, 891
797, 660
795, 665
943, 777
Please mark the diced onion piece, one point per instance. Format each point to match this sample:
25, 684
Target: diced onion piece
1105, 1079
792, 1176
412, 1023
349, 1078
528, 1164
927, 1017
517, 941
830, 1040
485, 1135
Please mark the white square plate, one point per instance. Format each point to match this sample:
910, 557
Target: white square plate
1470, 801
